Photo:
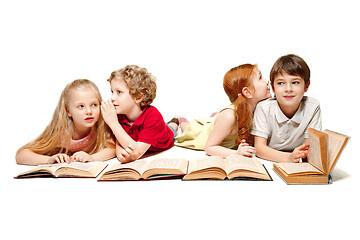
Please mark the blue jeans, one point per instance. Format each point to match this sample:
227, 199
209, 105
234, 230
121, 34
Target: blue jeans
172, 129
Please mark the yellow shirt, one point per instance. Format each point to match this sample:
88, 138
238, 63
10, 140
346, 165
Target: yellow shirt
198, 131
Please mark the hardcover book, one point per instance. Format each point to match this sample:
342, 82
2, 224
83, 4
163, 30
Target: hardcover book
234, 167
74, 169
324, 152
146, 170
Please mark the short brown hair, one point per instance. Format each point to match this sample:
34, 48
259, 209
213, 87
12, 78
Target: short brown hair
139, 81
292, 65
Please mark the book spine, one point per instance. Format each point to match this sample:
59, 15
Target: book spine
329, 179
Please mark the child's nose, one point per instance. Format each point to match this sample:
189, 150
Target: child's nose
88, 110
288, 87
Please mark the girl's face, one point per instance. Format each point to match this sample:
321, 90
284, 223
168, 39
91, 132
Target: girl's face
261, 86
84, 108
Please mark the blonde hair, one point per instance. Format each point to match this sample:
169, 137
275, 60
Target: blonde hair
61, 127
139, 81
234, 81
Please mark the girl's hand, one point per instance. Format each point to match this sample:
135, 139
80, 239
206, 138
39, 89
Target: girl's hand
109, 113
245, 149
299, 153
60, 158
81, 157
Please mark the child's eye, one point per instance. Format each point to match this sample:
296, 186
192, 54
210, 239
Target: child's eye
296, 82
81, 106
119, 92
280, 83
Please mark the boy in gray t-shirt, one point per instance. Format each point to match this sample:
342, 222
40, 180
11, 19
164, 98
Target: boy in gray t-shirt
280, 123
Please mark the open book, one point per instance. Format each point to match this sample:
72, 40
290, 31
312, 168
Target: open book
146, 170
324, 151
74, 169
233, 167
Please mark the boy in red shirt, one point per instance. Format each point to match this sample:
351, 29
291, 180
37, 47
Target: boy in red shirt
137, 126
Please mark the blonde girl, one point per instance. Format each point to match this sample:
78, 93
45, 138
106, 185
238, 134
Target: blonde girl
76, 132
228, 132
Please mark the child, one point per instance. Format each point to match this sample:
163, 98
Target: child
280, 123
137, 126
229, 131
76, 132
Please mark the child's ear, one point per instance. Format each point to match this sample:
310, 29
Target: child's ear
139, 98
246, 92
272, 88
307, 87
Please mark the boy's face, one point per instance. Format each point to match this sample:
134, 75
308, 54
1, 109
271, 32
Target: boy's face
289, 91
124, 103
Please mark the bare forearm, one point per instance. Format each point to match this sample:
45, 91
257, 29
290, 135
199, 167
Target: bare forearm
131, 153
271, 154
104, 154
28, 157
126, 144
219, 151
121, 136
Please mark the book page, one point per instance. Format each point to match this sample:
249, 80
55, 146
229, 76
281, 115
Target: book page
83, 166
79, 169
167, 163
299, 168
316, 149
138, 165
165, 167
234, 162
53, 166
203, 163
48, 168
336, 143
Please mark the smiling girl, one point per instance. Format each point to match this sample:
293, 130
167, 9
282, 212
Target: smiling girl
76, 132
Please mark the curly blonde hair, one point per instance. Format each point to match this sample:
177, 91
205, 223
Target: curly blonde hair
139, 81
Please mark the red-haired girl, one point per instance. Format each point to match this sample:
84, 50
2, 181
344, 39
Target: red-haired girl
228, 132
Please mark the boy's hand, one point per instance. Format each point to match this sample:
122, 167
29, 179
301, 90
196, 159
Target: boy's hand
81, 157
109, 113
299, 153
245, 149
127, 155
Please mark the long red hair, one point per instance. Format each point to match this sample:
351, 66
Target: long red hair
234, 81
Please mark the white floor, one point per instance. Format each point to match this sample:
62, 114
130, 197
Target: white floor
85, 208
188, 46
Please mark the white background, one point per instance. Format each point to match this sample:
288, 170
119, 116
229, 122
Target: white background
188, 46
